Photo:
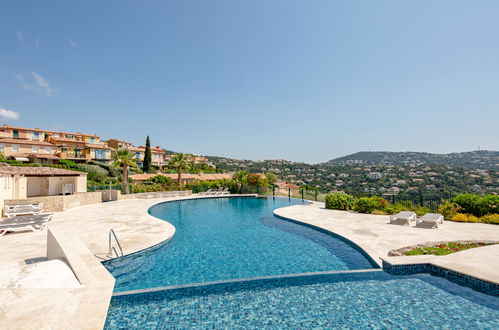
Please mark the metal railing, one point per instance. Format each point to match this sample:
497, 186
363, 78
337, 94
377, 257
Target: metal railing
111, 247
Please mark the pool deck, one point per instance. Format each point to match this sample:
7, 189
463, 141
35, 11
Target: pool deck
377, 237
27, 279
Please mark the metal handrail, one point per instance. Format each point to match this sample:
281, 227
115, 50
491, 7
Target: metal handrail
111, 248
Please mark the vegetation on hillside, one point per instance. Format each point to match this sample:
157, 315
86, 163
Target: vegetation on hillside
405, 182
484, 159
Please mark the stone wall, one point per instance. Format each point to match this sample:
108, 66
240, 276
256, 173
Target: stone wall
157, 194
60, 203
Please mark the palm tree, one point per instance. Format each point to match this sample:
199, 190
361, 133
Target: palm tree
240, 177
124, 158
180, 162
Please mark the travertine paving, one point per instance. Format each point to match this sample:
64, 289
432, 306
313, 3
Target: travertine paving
377, 237
38, 296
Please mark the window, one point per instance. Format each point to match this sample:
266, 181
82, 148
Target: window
15, 134
2, 146
36, 135
48, 150
137, 155
100, 154
15, 148
92, 140
35, 149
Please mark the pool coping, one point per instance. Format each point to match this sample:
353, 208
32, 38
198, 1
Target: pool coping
430, 264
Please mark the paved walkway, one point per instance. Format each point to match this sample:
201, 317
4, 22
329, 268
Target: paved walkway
377, 237
46, 294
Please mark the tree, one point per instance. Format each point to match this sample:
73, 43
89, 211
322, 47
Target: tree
124, 158
180, 162
271, 177
146, 166
240, 177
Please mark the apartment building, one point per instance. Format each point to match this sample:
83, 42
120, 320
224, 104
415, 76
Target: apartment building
158, 155
28, 150
35, 142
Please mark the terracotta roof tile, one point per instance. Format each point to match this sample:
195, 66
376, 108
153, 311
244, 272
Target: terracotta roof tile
22, 141
36, 171
185, 176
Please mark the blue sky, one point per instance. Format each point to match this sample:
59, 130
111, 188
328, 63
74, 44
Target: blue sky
300, 80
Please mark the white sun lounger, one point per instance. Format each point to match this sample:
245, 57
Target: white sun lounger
219, 191
23, 209
430, 220
27, 219
24, 223
21, 227
403, 218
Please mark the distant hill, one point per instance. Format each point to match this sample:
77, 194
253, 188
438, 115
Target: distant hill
483, 159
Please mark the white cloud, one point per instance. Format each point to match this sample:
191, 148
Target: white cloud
22, 82
9, 114
72, 43
20, 38
41, 85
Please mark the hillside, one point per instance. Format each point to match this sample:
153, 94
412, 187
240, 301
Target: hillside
485, 160
402, 173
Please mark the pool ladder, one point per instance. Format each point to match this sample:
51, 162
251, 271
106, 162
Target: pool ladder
112, 248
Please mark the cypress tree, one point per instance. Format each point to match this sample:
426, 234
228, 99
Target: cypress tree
146, 166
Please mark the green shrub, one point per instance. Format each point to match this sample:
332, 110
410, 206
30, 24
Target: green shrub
490, 218
391, 209
339, 201
444, 249
460, 217
68, 163
449, 209
161, 179
378, 212
369, 204
421, 210
478, 205
111, 170
140, 188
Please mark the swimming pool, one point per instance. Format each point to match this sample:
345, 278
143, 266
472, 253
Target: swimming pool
233, 240
227, 238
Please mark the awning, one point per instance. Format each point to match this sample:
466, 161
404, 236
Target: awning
21, 159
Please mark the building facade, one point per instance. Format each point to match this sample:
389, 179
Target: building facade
158, 155
35, 142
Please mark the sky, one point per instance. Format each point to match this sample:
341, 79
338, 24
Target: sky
300, 80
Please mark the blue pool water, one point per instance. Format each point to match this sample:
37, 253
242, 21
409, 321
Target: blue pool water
239, 238
373, 300
227, 238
